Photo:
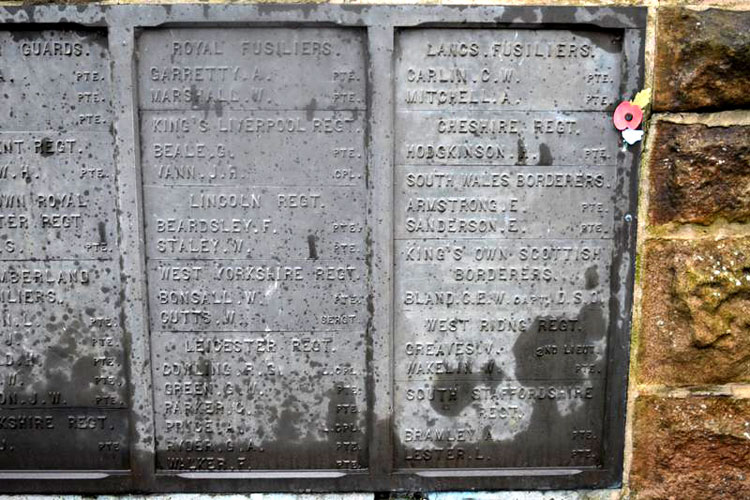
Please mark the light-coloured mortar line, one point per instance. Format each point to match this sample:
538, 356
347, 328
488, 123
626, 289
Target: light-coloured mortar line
716, 119
740, 5
632, 393
719, 230
733, 390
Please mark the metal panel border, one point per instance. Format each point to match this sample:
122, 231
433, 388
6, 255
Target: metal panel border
381, 22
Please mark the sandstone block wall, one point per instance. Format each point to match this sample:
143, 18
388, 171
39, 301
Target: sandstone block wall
690, 377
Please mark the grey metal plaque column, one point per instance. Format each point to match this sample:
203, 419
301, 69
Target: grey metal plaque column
63, 374
253, 165
506, 180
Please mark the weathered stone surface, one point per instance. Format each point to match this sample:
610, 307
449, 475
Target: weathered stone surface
691, 448
702, 59
696, 312
262, 262
699, 173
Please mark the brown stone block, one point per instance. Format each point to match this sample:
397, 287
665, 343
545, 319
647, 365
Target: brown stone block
691, 448
702, 59
696, 312
699, 173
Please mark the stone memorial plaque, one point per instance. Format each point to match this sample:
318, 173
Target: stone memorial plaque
253, 159
64, 396
271, 248
506, 186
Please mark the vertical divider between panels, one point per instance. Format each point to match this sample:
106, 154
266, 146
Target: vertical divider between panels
622, 280
380, 180
626, 211
135, 305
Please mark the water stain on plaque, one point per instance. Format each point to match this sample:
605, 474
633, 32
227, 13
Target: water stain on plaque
69, 368
591, 277
287, 422
460, 379
543, 351
548, 438
46, 149
210, 104
101, 227
522, 154
561, 403
311, 247
310, 109
451, 396
545, 156
528, 16
336, 438
604, 41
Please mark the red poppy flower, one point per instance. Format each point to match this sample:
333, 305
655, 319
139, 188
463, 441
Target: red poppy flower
627, 115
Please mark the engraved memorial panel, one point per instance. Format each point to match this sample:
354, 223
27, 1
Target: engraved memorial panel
314, 248
254, 167
63, 383
506, 176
